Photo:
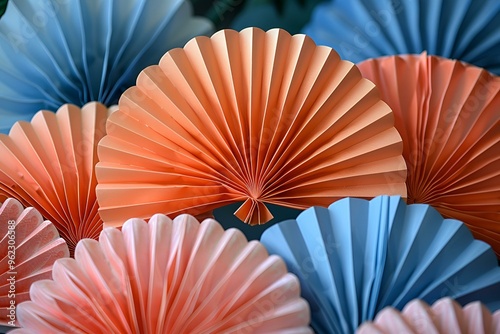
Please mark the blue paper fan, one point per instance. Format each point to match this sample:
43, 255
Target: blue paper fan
467, 30
358, 256
54, 52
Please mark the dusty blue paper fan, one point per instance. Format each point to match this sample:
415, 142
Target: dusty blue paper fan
468, 30
54, 52
358, 256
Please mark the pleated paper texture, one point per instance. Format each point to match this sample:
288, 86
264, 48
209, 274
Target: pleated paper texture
49, 164
467, 30
444, 317
29, 246
167, 276
252, 116
358, 256
54, 52
448, 114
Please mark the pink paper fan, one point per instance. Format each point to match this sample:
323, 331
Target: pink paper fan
167, 276
49, 164
29, 247
444, 317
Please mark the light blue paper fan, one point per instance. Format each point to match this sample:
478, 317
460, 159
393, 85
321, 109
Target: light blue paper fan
468, 30
66, 51
358, 256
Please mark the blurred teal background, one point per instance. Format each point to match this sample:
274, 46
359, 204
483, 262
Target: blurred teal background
227, 219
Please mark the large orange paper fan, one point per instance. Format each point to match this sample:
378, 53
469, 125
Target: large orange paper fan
448, 114
49, 164
253, 116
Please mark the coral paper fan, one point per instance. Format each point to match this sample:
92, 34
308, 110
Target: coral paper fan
448, 114
29, 247
467, 30
260, 117
444, 317
357, 257
49, 164
54, 52
167, 276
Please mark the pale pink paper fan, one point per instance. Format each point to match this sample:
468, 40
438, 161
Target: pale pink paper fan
49, 164
445, 316
28, 246
448, 114
252, 116
167, 276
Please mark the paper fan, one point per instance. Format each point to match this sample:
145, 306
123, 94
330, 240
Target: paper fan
448, 115
444, 317
54, 52
167, 276
260, 117
466, 29
358, 256
49, 164
29, 247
